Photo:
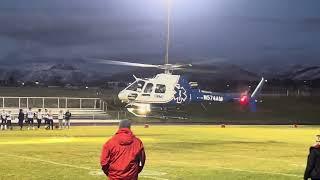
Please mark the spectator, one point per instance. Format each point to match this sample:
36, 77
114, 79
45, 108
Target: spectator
30, 116
60, 118
21, 118
67, 117
9, 118
313, 164
3, 120
39, 117
123, 155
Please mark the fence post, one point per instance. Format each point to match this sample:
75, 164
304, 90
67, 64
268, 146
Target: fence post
19, 103
100, 104
2, 102
42, 103
106, 107
95, 104
80, 103
27, 103
58, 103
66, 103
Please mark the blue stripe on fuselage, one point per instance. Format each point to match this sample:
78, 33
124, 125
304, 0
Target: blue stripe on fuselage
184, 94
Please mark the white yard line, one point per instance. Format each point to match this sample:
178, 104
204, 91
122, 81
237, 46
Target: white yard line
47, 161
148, 174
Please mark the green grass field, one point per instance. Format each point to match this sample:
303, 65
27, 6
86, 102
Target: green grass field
173, 152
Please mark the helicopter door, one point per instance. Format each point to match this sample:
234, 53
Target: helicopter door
136, 89
147, 90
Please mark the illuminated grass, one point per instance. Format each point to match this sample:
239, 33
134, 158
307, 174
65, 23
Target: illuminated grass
173, 152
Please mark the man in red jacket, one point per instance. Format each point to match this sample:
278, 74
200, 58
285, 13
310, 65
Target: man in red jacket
123, 156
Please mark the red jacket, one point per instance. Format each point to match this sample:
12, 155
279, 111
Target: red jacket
123, 156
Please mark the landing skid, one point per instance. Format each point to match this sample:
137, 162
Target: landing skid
161, 113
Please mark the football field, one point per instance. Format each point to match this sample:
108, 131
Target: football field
173, 152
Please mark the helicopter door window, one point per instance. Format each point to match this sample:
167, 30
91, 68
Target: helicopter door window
160, 88
148, 88
136, 86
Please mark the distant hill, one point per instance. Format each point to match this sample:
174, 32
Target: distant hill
80, 72
302, 73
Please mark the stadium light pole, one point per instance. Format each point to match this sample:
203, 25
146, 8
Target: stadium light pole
166, 60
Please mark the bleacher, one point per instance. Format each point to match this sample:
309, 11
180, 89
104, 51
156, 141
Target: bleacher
79, 116
87, 111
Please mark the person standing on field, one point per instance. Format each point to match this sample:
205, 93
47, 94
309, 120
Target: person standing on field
67, 117
9, 119
21, 118
60, 118
123, 156
313, 164
3, 120
45, 117
39, 116
30, 116
50, 120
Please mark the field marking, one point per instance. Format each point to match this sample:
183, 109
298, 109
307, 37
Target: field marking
47, 161
94, 172
40, 141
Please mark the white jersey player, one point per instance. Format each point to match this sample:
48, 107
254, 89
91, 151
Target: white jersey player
3, 120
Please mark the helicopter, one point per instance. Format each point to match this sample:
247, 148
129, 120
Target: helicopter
167, 91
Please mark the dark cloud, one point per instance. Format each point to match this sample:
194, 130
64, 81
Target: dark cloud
70, 31
237, 30
311, 24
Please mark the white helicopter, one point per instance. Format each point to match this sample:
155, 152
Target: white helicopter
146, 95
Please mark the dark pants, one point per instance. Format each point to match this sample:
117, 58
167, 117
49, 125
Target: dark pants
9, 124
30, 121
50, 123
21, 123
3, 121
45, 120
39, 123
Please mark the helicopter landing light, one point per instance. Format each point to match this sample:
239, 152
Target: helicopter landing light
144, 109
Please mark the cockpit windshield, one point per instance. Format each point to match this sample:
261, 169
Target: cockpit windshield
136, 86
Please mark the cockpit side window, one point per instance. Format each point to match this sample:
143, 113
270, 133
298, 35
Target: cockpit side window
136, 86
160, 88
148, 88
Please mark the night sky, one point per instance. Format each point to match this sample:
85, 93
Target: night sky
248, 32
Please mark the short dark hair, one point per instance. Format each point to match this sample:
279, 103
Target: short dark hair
125, 124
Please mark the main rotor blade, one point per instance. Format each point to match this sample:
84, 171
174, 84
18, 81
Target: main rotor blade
200, 71
210, 61
123, 63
